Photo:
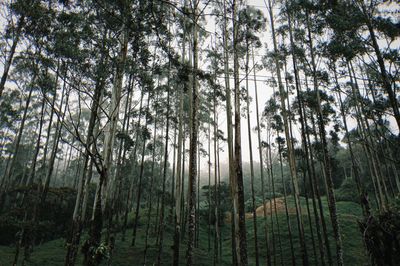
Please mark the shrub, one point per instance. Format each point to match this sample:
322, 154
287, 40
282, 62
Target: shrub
347, 191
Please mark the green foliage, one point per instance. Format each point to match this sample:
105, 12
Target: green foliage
249, 204
53, 252
224, 203
54, 216
97, 253
347, 191
382, 237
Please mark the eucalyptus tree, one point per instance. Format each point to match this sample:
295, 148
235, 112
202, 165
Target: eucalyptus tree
239, 193
35, 29
165, 165
228, 97
14, 32
179, 164
326, 160
355, 165
386, 26
287, 128
148, 86
99, 79
152, 147
7, 179
251, 21
37, 84
194, 126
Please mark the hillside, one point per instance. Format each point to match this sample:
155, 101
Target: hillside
53, 252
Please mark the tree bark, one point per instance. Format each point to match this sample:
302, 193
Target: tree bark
194, 125
7, 65
238, 148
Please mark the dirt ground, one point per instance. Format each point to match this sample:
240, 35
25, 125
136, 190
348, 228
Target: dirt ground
280, 207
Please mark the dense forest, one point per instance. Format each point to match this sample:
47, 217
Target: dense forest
199, 132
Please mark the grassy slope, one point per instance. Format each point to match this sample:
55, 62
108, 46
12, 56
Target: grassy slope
53, 252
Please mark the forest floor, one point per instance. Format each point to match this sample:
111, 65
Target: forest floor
53, 252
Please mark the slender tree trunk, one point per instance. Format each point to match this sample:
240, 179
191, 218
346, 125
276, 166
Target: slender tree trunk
291, 159
253, 198
132, 184
306, 152
122, 151
370, 160
150, 195
232, 181
57, 136
274, 199
370, 143
68, 164
261, 164
31, 178
194, 125
238, 148
383, 72
216, 183
209, 186
165, 168
315, 184
29, 182
289, 226
173, 177
198, 192
8, 174
76, 227
49, 127
183, 206
7, 65
328, 169
361, 191
178, 182
139, 189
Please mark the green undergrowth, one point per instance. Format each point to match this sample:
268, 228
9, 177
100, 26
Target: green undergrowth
53, 252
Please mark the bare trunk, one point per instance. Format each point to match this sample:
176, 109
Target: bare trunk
150, 195
194, 125
139, 189
253, 199
384, 75
261, 165
178, 182
165, 168
7, 65
238, 147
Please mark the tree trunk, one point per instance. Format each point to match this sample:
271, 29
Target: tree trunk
178, 181
238, 147
8, 175
150, 195
194, 125
139, 189
7, 65
165, 168
76, 227
291, 158
232, 181
261, 164
253, 199
384, 75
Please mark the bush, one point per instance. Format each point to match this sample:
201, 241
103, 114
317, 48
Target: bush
381, 235
54, 215
347, 191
